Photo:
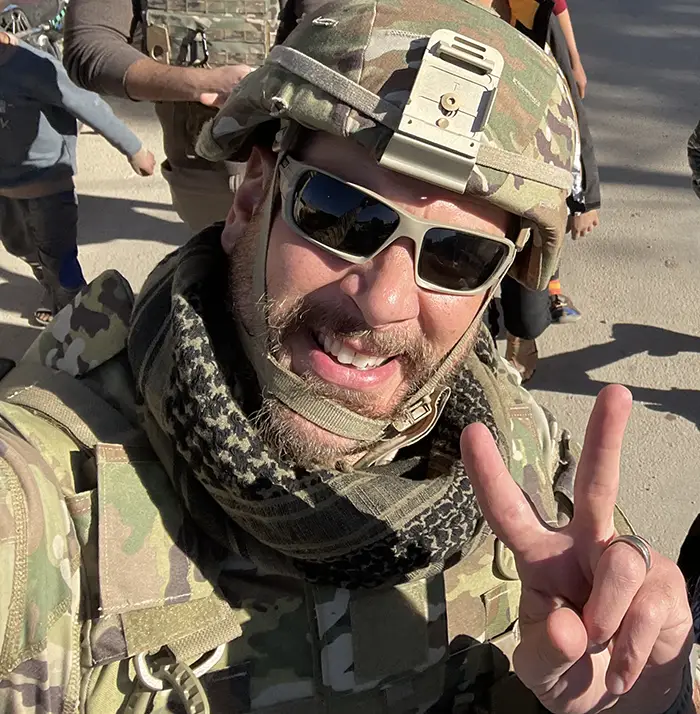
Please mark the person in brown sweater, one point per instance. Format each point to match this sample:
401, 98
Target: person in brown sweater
104, 51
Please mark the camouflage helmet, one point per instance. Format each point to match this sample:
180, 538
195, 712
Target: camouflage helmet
477, 109
483, 111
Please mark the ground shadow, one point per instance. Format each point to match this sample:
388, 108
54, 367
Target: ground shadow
20, 294
568, 372
103, 219
643, 66
643, 177
16, 339
129, 111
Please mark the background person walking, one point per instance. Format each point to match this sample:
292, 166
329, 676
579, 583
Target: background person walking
39, 109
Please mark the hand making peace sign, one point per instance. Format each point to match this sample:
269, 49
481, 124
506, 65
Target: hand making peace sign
593, 621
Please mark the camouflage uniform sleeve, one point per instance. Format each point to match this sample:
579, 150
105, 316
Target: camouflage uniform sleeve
39, 586
543, 456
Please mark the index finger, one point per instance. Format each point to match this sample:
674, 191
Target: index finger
502, 502
598, 473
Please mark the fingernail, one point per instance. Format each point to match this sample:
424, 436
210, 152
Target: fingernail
616, 685
597, 647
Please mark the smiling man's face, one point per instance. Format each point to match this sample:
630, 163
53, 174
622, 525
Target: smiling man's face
366, 336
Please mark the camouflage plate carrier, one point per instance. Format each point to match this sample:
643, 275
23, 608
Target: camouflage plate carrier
207, 33
106, 612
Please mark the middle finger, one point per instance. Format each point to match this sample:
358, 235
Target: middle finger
657, 622
598, 473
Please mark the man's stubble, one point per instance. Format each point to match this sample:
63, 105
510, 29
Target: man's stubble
292, 436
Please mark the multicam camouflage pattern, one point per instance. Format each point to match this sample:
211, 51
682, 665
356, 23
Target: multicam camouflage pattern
90, 330
40, 587
205, 34
379, 46
694, 159
228, 31
102, 567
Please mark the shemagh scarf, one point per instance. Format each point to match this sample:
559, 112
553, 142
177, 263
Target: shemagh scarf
359, 528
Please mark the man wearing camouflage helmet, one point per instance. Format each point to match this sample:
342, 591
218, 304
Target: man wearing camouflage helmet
245, 493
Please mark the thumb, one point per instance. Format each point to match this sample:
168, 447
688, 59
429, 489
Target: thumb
553, 639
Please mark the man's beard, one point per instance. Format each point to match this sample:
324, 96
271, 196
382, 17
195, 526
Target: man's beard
290, 434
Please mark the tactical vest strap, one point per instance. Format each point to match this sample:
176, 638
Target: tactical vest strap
188, 630
66, 402
380, 633
492, 389
389, 631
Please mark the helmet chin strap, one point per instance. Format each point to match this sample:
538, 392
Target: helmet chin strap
415, 420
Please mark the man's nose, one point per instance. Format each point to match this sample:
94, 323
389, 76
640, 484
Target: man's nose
384, 289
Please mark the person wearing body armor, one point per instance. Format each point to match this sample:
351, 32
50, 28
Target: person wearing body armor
245, 493
694, 159
194, 54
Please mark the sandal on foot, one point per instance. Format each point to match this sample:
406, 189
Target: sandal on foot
43, 315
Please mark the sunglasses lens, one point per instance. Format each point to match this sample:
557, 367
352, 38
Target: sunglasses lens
454, 260
340, 217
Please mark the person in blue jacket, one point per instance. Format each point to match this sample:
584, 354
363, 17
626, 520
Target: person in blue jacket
39, 112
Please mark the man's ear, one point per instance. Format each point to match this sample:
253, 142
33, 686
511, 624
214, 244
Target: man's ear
249, 195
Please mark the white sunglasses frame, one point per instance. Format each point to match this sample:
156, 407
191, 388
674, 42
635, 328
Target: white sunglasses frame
415, 229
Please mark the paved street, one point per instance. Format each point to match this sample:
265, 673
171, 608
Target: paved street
636, 279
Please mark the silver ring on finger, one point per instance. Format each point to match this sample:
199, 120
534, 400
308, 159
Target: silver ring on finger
642, 546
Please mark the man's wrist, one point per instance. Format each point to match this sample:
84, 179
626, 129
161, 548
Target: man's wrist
197, 81
148, 80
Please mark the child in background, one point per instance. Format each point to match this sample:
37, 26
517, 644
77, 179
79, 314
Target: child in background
584, 213
39, 109
561, 10
528, 313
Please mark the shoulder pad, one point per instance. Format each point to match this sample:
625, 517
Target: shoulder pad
90, 330
531, 433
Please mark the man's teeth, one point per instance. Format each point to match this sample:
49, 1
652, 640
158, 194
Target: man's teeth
346, 355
